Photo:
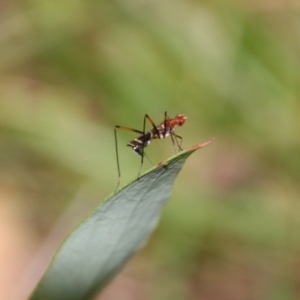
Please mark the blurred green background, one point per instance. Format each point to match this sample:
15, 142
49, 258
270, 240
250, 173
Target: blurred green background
71, 70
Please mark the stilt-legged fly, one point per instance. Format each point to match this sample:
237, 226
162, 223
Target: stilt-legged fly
163, 130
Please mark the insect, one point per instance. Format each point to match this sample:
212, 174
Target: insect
163, 130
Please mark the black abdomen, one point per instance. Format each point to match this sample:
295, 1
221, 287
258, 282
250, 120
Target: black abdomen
140, 142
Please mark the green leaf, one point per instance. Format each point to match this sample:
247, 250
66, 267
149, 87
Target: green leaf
96, 250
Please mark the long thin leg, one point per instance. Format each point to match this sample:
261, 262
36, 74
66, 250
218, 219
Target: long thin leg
117, 156
128, 128
173, 142
142, 155
166, 119
176, 136
117, 152
146, 117
168, 123
172, 134
153, 125
140, 169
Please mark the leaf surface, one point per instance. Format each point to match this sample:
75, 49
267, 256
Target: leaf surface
98, 248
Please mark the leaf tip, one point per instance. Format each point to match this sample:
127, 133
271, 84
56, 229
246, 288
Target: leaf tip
198, 146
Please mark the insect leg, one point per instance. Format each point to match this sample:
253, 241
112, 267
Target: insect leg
172, 134
146, 117
117, 152
181, 139
153, 125
142, 148
166, 119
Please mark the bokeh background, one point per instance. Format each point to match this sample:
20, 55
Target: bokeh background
71, 70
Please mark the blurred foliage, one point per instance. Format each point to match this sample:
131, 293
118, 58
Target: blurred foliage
70, 71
